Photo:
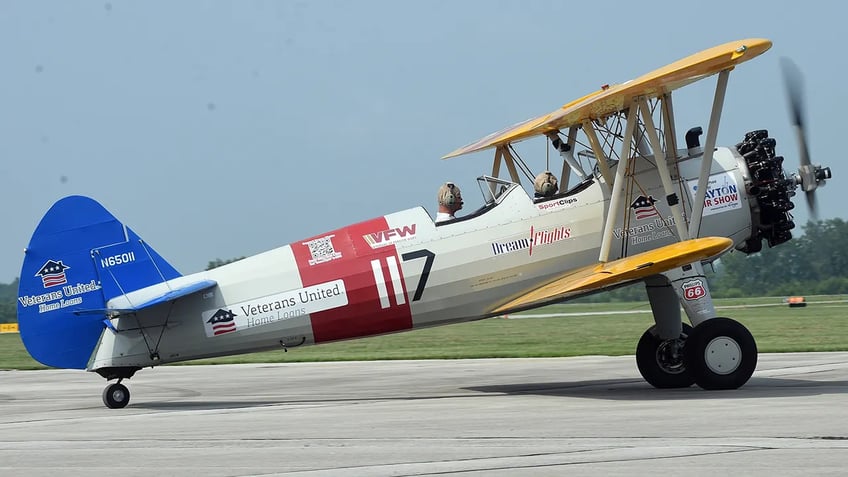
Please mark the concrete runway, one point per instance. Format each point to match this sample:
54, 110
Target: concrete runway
499, 417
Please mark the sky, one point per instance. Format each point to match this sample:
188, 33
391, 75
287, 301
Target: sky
222, 129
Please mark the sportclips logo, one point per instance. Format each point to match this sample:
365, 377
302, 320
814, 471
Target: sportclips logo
555, 204
537, 238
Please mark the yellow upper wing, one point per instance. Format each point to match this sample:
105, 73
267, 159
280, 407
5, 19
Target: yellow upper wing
636, 267
604, 102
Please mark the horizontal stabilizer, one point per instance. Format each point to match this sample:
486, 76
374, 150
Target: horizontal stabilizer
169, 295
180, 292
624, 270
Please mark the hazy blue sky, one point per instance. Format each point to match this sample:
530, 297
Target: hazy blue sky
220, 129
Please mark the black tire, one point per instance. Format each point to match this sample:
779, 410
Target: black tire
661, 361
116, 396
720, 354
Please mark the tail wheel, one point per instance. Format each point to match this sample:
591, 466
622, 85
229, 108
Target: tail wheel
720, 353
116, 396
661, 361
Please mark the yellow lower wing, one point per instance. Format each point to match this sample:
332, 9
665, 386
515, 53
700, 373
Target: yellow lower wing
627, 269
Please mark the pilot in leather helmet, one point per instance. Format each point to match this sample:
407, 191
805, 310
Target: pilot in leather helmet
450, 201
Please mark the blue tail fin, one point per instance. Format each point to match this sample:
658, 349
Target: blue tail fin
79, 257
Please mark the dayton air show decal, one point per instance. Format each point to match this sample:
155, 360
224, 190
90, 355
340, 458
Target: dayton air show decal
722, 193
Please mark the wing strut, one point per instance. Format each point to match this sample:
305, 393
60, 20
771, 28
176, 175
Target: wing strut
618, 185
662, 168
603, 166
502, 152
566, 152
496, 165
707, 160
569, 159
668, 122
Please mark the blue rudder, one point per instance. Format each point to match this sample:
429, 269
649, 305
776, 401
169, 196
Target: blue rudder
79, 257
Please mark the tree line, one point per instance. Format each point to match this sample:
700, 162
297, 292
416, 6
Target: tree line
813, 263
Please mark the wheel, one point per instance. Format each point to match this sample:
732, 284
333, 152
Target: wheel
116, 396
661, 361
720, 354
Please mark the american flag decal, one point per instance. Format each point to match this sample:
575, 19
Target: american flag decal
52, 273
644, 207
223, 321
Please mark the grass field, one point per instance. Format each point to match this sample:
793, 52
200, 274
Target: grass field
614, 330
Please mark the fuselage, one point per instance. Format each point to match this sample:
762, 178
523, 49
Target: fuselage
402, 271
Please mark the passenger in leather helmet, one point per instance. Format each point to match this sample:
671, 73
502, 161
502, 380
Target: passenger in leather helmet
545, 185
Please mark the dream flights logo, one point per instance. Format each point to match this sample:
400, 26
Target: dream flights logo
536, 238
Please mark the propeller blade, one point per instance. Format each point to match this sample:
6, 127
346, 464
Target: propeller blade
794, 83
811, 205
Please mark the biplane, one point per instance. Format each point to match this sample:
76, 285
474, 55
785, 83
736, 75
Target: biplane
632, 207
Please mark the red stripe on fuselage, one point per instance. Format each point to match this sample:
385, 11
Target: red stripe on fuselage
346, 255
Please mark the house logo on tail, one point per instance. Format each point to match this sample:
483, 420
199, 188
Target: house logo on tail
52, 273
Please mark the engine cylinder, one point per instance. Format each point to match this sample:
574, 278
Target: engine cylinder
771, 190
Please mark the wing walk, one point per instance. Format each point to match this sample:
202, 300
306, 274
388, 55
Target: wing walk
627, 269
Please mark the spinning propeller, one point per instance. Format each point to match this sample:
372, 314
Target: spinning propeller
809, 176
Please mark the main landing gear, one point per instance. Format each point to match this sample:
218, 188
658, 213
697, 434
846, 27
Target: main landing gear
719, 353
